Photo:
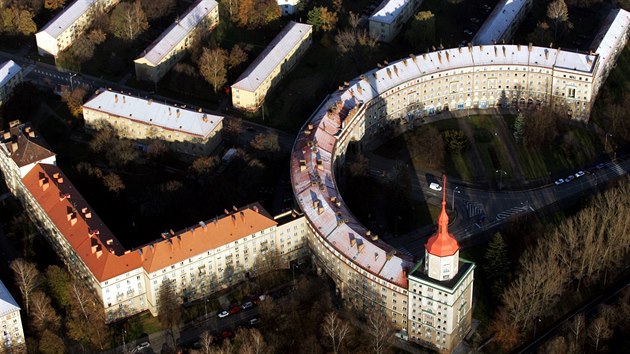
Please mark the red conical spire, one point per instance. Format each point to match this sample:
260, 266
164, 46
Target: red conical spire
442, 244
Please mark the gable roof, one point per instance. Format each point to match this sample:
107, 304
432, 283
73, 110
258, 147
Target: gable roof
67, 17
173, 35
205, 236
272, 56
7, 302
24, 144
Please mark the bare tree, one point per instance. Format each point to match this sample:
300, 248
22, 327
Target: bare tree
206, 340
128, 21
213, 67
577, 329
558, 12
43, 315
252, 341
336, 330
598, 330
381, 330
27, 278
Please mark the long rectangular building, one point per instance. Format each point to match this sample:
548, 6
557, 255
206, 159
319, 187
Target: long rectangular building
10, 76
187, 131
249, 91
198, 260
503, 21
60, 32
172, 44
610, 41
389, 18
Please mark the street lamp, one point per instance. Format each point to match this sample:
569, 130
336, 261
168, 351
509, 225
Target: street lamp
453, 203
205, 307
123, 338
606, 141
71, 76
501, 173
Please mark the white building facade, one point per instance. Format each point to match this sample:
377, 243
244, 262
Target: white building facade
60, 32
11, 331
389, 18
10, 77
288, 7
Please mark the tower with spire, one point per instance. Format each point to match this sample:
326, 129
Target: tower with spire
440, 291
442, 249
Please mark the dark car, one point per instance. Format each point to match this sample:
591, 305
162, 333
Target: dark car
235, 309
227, 334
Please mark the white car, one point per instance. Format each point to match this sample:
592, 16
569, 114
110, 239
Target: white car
559, 181
223, 314
435, 186
142, 346
579, 174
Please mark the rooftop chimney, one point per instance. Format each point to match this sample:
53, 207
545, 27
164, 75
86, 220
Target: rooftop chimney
115, 98
360, 245
353, 241
14, 146
529, 47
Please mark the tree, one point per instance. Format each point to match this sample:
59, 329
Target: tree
128, 21
497, 266
54, 4
359, 166
541, 128
205, 164
43, 315
256, 13
558, 12
205, 341
519, 127
16, 20
81, 50
266, 142
335, 330
74, 99
252, 342
456, 141
58, 285
213, 67
232, 128
27, 278
237, 57
576, 326
113, 182
381, 330
421, 30
169, 307
155, 9
355, 42
322, 19
427, 143
86, 321
599, 330
50, 343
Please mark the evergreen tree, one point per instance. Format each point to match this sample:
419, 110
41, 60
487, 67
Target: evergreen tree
497, 265
519, 128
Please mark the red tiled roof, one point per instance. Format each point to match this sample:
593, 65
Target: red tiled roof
443, 243
103, 254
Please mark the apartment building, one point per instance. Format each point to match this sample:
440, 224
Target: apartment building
610, 41
60, 32
173, 43
502, 22
10, 77
280, 56
185, 130
288, 7
389, 18
11, 331
199, 260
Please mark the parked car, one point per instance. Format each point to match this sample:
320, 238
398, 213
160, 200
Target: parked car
569, 178
223, 314
474, 20
142, 346
468, 32
435, 186
235, 309
227, 334
559, 181
600, 166
579, 174
248, 305
254, 321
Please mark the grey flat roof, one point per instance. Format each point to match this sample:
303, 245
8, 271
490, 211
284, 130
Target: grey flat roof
153, 113
67, 17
